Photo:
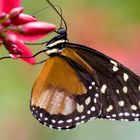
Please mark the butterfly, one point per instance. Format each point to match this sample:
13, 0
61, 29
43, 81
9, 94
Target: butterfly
78, 84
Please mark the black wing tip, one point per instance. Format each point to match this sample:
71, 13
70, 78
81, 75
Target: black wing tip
49, 120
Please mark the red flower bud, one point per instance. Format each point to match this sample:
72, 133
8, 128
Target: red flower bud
23, 19
17, 49
15, 12
34, 30
37, 28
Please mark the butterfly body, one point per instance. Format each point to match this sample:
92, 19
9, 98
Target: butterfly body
78, 84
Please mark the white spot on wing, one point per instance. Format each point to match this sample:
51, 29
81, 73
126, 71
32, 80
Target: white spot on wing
95, 100
93, 108
88, 112
87, 101
115, 68
90, 87
93, 83
125, 89
69, 121
133, 107
133, 114
80, 108
113, 62
125, 77
117, 91
77, 118
45, 118
83, 117
53, 121
114, 115
39, 119
60, 122
120, 114
121, 103
109, 108
41, 115
97, 95
126, 114
103, 88
107, 116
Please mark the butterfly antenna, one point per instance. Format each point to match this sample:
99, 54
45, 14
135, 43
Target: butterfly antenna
40, 10
60, 14
61, 18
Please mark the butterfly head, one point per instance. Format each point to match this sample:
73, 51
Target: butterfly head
62, 32
56, 44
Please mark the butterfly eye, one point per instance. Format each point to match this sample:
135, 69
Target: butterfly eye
61, 31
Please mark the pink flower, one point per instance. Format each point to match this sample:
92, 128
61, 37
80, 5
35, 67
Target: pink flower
17, 27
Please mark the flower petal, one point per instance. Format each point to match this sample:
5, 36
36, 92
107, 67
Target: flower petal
35, 30
8, 5
26, 53
17, 49
23, 19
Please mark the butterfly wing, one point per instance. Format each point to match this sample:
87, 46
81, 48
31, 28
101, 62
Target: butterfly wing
60, 99
119, 88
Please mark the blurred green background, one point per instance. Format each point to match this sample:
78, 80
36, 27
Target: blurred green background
111, 26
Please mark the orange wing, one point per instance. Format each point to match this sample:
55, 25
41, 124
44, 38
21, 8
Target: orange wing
60, 99
55, 87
